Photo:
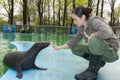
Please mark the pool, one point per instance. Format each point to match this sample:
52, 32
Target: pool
6, 38
55, 38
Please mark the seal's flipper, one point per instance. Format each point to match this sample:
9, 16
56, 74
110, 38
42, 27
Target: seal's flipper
19, 72
19, 75
35, 67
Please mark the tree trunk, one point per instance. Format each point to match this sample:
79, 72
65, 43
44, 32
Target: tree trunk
59, 14
48, 21
102, 6
40, 10
73, 1
65, 13
28, 18
112, 21
11, 11
53, 12
97, 9
24, 12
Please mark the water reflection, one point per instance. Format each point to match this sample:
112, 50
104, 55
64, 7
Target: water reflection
55, 38
9, 36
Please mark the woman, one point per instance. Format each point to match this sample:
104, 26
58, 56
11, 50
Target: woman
102, 43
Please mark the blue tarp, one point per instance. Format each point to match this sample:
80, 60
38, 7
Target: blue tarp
61, 65
7, 29
74, 30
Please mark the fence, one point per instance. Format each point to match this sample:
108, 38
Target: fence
57, 34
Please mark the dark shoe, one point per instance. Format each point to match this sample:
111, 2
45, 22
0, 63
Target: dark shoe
86, 75
91, 72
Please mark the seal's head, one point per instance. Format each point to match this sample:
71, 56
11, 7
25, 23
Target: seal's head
42, 45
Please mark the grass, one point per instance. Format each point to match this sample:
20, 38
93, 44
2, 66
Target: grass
4, 49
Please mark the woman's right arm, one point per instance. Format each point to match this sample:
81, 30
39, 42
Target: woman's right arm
72, 42
76, 38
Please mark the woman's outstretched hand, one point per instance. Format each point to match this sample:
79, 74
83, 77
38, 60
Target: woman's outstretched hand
59, 47
55, 46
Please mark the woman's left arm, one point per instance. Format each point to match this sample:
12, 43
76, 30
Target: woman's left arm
103, 30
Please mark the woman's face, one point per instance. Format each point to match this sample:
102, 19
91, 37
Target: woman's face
78, 21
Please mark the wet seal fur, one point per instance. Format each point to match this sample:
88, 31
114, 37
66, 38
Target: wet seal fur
24, 60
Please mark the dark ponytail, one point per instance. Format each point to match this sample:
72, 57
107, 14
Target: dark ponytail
80, 10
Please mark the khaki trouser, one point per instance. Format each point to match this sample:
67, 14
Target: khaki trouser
96, 46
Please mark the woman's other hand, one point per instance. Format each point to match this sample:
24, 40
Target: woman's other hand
92, 35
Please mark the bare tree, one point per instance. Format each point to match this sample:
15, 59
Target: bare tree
97, 9
112, 4
59, 13
30, 9
73, 6
65, 12
48, 21
25, 12
11, 8
53, 12
40, 10
102, 6
117, 14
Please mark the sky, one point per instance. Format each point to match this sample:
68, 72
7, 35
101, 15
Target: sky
107, 9
107, 6
117, 2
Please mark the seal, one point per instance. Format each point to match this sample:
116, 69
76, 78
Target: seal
24, 60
